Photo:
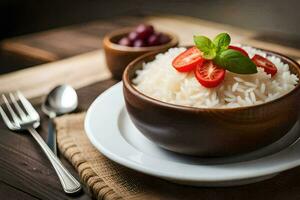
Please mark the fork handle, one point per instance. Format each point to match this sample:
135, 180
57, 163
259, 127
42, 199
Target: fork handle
68, 182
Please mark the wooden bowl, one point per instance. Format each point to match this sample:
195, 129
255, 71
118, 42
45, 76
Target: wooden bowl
118, 56
210, 132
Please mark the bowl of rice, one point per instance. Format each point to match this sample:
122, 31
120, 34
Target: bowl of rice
242, 114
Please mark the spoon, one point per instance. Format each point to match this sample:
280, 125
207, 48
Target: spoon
61, 100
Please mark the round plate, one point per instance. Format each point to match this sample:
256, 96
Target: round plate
111, 131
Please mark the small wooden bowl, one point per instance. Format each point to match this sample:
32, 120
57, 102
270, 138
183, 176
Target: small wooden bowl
210, 132
118, 56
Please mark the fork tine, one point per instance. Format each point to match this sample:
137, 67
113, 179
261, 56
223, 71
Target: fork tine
11, 111
28, 107
19, 109
6, 119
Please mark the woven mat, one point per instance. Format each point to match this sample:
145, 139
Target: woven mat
107, 180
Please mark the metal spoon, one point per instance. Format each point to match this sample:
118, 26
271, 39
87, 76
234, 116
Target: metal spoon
61, 100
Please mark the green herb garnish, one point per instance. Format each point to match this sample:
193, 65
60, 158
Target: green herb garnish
206, 46
222, 41
217, 50
235, 61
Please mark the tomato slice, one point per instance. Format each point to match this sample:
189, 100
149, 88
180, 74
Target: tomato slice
238, 49
209, 74
268, 66
188, 60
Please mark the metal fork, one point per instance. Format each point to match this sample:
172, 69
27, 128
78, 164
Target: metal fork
22, 116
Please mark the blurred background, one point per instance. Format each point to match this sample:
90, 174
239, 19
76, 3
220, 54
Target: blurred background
276, 20
22, 17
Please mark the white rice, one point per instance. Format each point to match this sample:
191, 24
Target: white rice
158, 79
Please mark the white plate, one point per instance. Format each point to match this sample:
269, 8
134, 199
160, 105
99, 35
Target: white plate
111, 131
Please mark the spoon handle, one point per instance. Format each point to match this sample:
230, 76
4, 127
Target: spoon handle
51, 141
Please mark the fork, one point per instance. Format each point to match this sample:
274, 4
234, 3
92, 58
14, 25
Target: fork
20, 115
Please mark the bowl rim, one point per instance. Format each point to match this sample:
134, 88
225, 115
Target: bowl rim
128, 84
108, 37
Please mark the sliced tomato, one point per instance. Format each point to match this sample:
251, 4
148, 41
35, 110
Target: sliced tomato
209, 74
188, 60
238, 49
268, 66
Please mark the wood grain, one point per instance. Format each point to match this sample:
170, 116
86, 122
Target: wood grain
186, 27
78, 71
24, 165
24, 168
10, 192
65, 42
73, 40
21, 159
88, 68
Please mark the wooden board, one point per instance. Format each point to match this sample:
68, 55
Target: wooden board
78, 71
24, 166
65, 42
88, 68
10, 192
25, 173
186, 27
73, 40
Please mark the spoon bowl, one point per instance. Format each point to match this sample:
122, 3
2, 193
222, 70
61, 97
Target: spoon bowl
61, 100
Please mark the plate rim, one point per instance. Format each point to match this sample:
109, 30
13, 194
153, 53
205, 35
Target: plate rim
146, 170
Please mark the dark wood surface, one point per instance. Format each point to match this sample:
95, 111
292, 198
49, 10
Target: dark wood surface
56, 44
25, 172
64, 42
38, 48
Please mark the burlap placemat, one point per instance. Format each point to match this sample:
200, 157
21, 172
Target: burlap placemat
105, 179
108, 180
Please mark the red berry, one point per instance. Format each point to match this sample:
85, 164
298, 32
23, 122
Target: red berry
139, 43
153, 40
163, 38
125, 42
144, 31
133, 36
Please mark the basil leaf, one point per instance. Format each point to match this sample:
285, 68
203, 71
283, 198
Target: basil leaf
206, 46
222, 41
235, 61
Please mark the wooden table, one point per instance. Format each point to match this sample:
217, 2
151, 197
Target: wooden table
25, 173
